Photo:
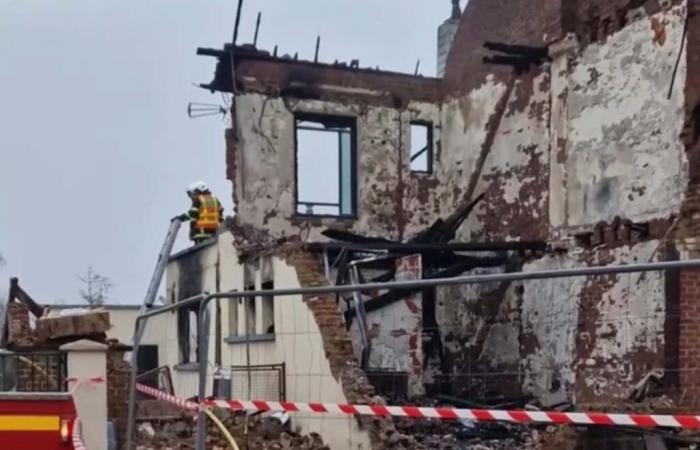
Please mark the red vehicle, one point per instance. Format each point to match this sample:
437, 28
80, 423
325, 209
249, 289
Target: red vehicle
36, 421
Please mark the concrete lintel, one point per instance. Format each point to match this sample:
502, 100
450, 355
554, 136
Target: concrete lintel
84, 345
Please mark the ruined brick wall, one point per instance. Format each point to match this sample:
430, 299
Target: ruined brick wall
118, 373
19, 331
572, 148
688, 312
396, 334
689, 338
578, 147
338, 348
504, 21
392, 202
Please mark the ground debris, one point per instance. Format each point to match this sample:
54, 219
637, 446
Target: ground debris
257, 432
468, 435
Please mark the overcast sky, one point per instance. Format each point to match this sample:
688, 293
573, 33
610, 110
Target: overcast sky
96, 145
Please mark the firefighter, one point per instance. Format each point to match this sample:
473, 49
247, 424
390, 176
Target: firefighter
205, 215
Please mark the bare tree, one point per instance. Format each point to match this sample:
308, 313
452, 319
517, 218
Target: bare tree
96, 287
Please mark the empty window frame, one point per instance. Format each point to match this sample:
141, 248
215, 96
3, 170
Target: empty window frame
268, 309
325, 165
421, 147
187, 331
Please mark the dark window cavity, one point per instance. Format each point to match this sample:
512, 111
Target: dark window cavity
696, 124
421, 147
325, 165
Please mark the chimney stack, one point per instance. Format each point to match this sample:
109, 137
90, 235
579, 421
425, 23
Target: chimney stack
446, 34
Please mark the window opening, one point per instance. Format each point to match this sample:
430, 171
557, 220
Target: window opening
325, 165
268, 309
187, 332
421, 147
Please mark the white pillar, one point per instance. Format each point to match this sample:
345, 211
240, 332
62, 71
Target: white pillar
87, 360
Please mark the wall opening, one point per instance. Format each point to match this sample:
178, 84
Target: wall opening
325, 165
147, 358
251, 311
421, 147
268, 309
187, 332
696, 124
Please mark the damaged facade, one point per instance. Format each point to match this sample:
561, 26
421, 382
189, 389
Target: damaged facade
586, 156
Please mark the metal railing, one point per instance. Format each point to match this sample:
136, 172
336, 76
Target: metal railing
159, 378
262, 382
203, 300
33, 371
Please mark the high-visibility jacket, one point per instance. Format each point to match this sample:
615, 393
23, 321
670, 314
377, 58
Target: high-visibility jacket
205, 215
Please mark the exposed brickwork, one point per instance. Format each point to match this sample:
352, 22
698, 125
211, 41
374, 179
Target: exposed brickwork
517, 22
118, 372
257, 72
692, 101
689, 342
338, 347
507, 21
688, 345
594, 20
19, 332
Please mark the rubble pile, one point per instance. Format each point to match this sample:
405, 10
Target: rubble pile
261, 432
467, 435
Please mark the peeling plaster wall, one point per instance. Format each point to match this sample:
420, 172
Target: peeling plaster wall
567, 339
480, 325
584, 139
624, 155
264, 161
591, 137
592, 338
395, 331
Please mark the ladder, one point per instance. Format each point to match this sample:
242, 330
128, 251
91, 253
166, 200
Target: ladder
158, 272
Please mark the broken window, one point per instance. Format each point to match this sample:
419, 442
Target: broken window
187, 332
249, 302
268, 309
325, 165
696, 127
267, 312
421, 147
233, 318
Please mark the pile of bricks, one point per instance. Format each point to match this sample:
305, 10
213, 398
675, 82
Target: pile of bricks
118, 371
250, 433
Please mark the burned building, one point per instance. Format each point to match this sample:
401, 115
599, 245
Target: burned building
559, 136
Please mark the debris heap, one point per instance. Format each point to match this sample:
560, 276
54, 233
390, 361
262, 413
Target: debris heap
255, 432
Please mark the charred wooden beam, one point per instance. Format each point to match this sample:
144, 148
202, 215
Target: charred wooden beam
393, 296
409, 248
518, 50
17, 293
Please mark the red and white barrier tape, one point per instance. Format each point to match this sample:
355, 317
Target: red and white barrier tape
77, 435
160, 395
76, 383
477, 415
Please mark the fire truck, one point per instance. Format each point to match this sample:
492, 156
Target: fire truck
36, 421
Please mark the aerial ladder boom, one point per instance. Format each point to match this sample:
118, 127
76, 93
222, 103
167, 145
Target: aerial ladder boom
158, 272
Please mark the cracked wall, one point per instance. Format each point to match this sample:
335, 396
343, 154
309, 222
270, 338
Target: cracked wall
588, 138
391, 201
623, 153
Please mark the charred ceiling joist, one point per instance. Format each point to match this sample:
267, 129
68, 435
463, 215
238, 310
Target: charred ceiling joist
520, 57
373, 259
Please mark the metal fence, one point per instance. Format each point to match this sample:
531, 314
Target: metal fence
159, 378
33, 372
260, 382
200, 368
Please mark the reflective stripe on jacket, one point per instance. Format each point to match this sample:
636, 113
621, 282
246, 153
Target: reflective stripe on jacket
208, 214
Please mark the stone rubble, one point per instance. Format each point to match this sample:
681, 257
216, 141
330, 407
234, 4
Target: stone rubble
261, 433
